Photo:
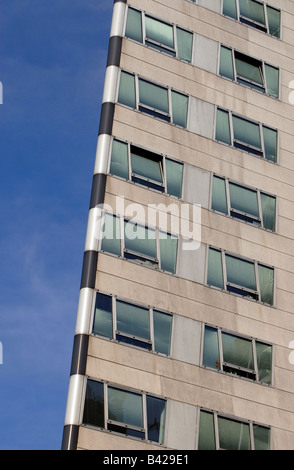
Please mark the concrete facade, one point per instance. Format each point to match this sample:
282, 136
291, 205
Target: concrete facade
180, 377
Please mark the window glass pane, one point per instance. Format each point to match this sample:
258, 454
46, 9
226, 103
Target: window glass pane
274, 21
243, 199
185, 41
249, 68
134, 25
247, 132
162, 324
174, 177
237, 351
252, 10
126, 93
140, 240
219, 198
111, 234
268, 205
226, 68
272, 80
94, 404
103, 315
180, 108
125, 407
264, 362
233, 435
261, 437
153, 96
229, 8
270, 143
240, 272
132, 320
146, 164
119, 159
155, 419
168, 252
215, 271
266, 282
160, 32
206, 431
223, 127
211, 348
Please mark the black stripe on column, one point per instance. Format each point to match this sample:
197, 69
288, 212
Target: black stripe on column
106, 118
98, 190
79, 354
70, 437
114, 51
89, 269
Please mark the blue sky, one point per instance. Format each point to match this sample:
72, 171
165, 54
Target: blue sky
52, 65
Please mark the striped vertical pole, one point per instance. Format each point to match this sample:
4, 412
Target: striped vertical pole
73, 414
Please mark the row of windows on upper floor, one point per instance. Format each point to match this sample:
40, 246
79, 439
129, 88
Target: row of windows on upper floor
166, 175
180, 43
179, 109
165, 251
161, 332
140, 415
254, 13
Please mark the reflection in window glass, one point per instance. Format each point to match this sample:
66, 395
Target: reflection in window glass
155, 419
268, 204
140, 240
215, 269
180, 109
103, 316
119, 159
226, 68
247, 132
125, 407
159, 35
185, 43
240, 272
111, 235
206, 431
134, 25
219, 198
274, 21
162, 326
264, 362
127, 94
174, 177
132, 320
168, 251
237, 351
233, 435
223, 127
211, 348
261, 437
94, 404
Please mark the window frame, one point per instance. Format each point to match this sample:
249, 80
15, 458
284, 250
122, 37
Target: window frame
146, 41
254, 23
239, 371
245, 146
242, 80
151, 322
216, 437
127, 254
148, 182
237, 289
259, 192
148, 110
112, 423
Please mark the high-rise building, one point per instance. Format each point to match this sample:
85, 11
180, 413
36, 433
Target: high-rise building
185, 320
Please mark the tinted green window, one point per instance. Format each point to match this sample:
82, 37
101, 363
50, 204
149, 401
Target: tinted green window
261, 437
206, 439
226, 68
127, 93
140, 240
184, 42
268, 204
134, 25
211, 349
237, 351
125, 407
266, 282
111, 235
103, 316
174, 177
233, 435
119, 159
223, 127
155, 419
146, 164
215, 270
272, 80
240, 272
229, 8
132, 320
249, 71
219, 198
253, 10
264, 362
274, 21
243, 199
162, 325
153, 96
168, 251
180, 109
159, 35
247, 132
270, 143
94, 404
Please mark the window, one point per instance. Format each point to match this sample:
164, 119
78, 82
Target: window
146, 168
238, 355
254, 13
217, 432
243, 203
162, 36
240, 276
127, 412
249, 71
133, 324
246, 135
138, 243
153, 99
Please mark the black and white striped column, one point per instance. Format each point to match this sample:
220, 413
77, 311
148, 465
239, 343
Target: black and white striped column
77, 382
